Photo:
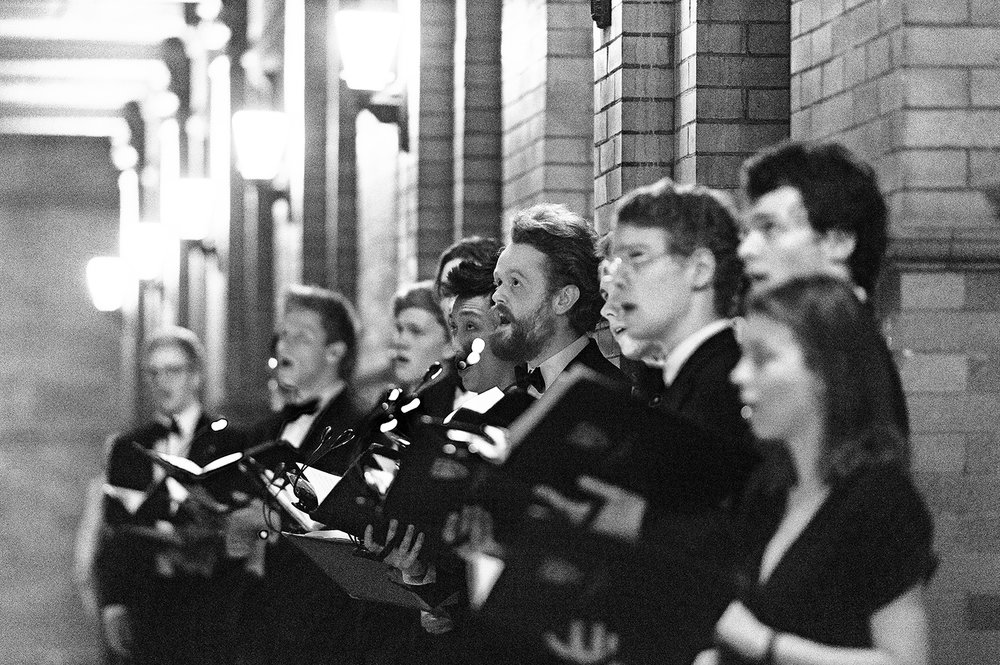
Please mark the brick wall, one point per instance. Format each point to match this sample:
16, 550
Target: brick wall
478, 134
732, 86
912, 85
687, 89
634, 86
547, 104
60, 368
435, 150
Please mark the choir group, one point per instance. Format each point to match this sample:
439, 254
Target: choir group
683, 442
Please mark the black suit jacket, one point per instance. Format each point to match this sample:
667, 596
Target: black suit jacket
125, 565
340, 414
702, 393
296, 614
592, 358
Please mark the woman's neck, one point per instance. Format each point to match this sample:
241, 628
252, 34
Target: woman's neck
806, 448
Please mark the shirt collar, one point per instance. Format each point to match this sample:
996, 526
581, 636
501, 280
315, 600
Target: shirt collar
554, 365
687, 346
186, 419
330, 393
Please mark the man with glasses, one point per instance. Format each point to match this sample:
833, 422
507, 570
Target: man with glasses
165, 586
674, 285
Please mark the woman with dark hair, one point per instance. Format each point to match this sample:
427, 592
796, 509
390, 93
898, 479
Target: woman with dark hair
839, 548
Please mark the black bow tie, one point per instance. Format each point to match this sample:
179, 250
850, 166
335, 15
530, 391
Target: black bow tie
525, 379
291, 412
166, 428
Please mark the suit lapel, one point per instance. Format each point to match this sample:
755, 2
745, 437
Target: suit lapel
684, 383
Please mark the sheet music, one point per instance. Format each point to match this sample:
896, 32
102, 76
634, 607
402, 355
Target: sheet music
282, 492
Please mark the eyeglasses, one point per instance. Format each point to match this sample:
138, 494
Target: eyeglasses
635, 261
167, 371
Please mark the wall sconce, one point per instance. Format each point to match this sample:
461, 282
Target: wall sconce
600, 11
187, 207
369, 42
260, 138
369, 52
107, 280
145, 247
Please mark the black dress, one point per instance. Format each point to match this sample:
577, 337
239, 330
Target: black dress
868, 543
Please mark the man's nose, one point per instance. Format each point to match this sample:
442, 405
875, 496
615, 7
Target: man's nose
749, 245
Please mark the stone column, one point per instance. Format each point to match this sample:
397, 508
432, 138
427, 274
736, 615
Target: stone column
914, 87
634, 79
547, 105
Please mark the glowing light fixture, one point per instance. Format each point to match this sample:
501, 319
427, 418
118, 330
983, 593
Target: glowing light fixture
107, 280
187, 206
368, 40
145, 247
261, 138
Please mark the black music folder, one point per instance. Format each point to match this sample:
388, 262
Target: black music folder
357, 573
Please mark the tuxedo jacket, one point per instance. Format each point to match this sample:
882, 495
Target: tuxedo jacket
703, 394
592, 358
296, 614
125, 566
341, 413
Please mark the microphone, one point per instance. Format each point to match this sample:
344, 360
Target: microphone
308, 501
326, 445
474, 354
384, 409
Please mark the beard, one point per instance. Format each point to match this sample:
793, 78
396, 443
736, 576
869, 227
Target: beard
526, 337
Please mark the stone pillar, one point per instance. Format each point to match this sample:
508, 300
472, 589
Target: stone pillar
319, 238
633, 101
547, 105
434, 181
478, 165
914, 87
732, 86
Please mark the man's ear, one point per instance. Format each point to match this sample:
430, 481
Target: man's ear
335, 351
838, 245
701, 268
565, 298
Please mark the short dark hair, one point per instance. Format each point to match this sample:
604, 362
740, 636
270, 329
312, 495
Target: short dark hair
337, 316
843, 346
839, 191
421, 295
470, 279
568, 243
472, 248
693, 217
180, 338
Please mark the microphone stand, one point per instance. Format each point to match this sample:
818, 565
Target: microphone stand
383, 412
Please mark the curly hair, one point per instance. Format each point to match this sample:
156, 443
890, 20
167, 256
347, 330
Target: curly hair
568, 243
693, 217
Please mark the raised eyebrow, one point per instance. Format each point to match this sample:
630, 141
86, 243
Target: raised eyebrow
630, 246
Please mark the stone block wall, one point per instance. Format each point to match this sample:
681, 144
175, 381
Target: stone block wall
634, 86
547, 109
732, 86
478, 122
912, 85
687, 89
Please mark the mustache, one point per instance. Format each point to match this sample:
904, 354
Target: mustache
497, 310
